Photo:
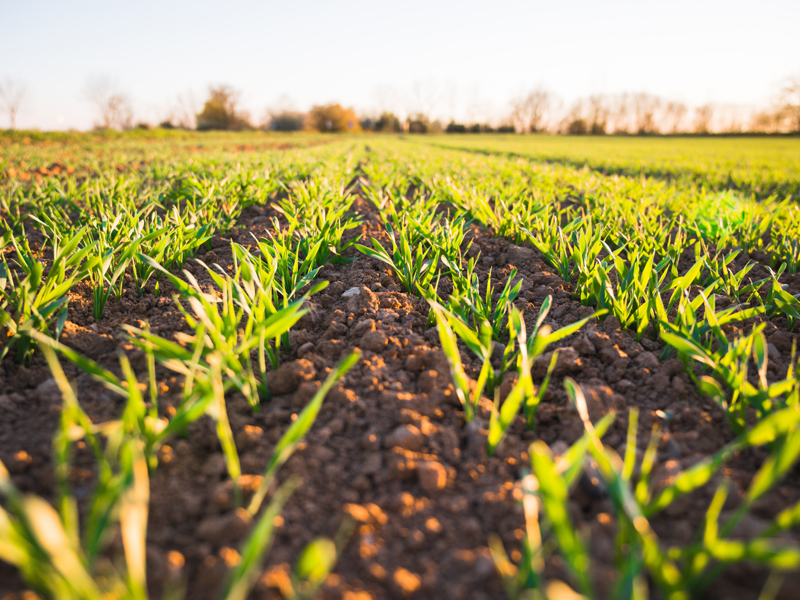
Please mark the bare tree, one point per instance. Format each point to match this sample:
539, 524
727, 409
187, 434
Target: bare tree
645, 107
621, 113
598, 114
12, 95
575, 121
529, 111
186, 111
113, 106
790, 101
424, 98
702, 118
672, 117
767, 121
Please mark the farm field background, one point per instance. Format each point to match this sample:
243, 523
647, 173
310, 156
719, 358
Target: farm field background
378, 366
753, 165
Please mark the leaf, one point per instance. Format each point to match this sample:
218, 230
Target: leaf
553, 492
133, 510
316, 561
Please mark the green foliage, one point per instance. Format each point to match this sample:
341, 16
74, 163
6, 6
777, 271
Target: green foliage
32, 300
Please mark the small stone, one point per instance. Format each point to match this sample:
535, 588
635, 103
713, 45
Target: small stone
408, 437
48, 391
229, 528
647, 360
774, 354
305, 349
289, 376
476, 434
610, 354
364, 327
432, 476
374, 341
304, 393
248, 437
601, 399
364, 302
568, 361
584, 347
353, 291
518, 256
599, 339
673, 366
558, 448
497, 351
372, 464
781, 340
414, 363
401, 464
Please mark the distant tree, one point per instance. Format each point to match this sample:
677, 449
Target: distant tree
529, 110
702, 118
790, 102
454, 127
221, 111
388, 122
418, 123
598, 114
767, 121
286, 120
113, 106
577, 127
672, 117
575, 121
645, 107
507, 128
12, 95
185, 114
333, 118
424, 97
621, 114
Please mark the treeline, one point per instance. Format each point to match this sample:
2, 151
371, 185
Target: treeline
538, 110
647, 114
221, 111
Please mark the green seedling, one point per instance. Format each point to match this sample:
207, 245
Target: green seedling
33, 300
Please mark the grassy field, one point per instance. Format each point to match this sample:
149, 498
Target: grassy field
760, 166
261, 365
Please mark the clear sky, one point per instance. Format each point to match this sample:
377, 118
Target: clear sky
448, 57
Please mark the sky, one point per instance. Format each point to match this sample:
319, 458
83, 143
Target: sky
450, 58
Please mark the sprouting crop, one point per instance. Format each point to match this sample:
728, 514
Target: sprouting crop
691, 250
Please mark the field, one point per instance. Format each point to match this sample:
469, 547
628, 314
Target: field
295, 366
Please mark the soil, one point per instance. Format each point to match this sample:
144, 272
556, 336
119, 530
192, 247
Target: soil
389, 454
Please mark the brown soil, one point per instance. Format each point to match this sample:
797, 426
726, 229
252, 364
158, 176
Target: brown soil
389, 450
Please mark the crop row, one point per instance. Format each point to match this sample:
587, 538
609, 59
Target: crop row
659, 257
